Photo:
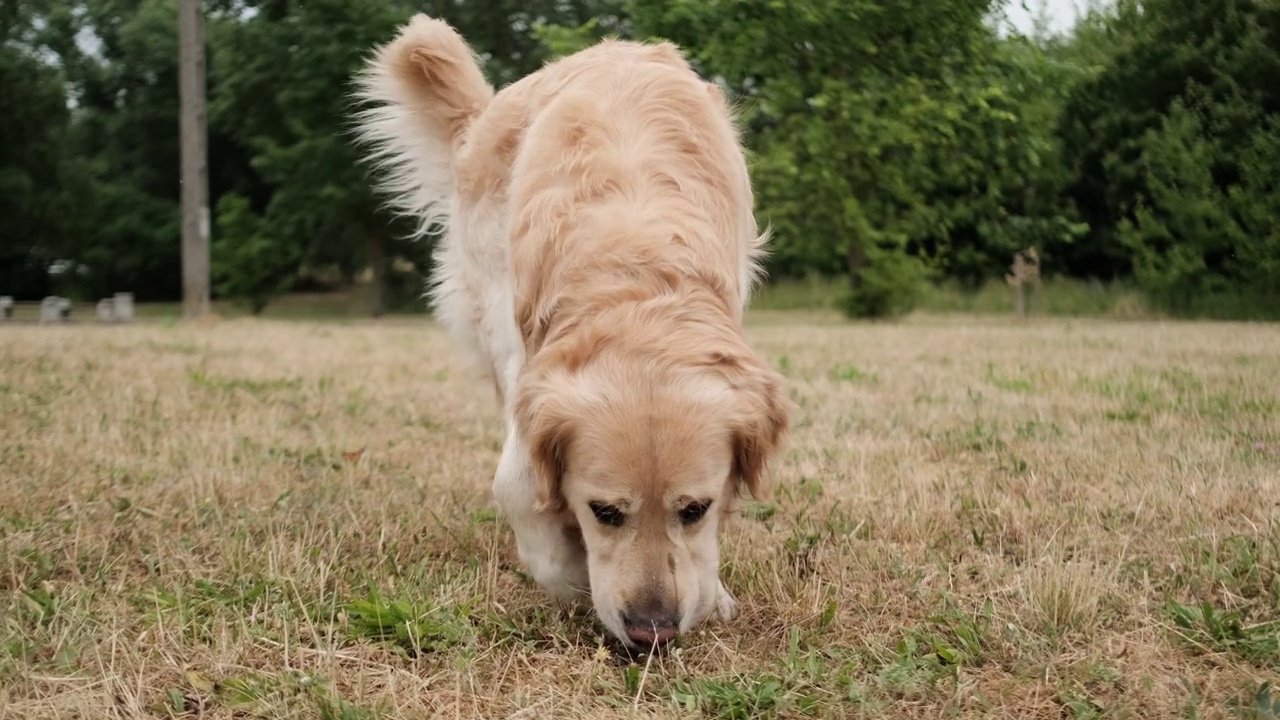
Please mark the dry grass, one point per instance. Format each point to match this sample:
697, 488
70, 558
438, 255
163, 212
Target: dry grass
974, 519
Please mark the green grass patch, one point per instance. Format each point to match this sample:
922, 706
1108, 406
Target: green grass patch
739, 698
1206, 628
812, 293
260, 694
1063, 297
851, 374
259, 388
409, 628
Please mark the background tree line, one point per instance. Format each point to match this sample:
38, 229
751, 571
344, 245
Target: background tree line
894, 143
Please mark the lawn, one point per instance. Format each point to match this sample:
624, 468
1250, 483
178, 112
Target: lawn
974, 517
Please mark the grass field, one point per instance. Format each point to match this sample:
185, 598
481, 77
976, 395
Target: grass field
974, 518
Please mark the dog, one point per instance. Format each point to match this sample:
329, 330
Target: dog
598, 255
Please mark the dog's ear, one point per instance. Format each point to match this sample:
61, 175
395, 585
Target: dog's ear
760, 418
546, 427
758, 432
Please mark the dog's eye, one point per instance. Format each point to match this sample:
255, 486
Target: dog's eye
693, 512
607, 514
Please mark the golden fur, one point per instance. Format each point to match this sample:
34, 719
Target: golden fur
600, 251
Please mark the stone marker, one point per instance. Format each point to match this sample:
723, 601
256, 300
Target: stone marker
123, 305
106, 310
6, 307
51, 310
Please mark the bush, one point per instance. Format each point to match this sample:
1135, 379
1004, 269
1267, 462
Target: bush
247, 265
889, 285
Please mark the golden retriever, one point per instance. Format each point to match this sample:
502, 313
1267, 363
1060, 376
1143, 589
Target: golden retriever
599, 254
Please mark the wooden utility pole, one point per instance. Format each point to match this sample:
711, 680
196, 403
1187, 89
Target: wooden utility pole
195, 160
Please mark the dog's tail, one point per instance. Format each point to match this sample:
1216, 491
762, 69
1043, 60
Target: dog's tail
421, 91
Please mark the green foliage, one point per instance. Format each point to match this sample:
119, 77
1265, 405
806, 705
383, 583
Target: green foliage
735, 699
894, 145
561, 41
894, 141
408, 628
888, 285
1191, 238
1258, 703
127, 123
1059, 296
248, 262
283, 77
37, 188
1209, 629
1177, 140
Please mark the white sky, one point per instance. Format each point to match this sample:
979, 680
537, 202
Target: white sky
1061, 14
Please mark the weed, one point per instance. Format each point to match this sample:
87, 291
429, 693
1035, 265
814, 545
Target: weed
407, 627
1256, 702
849, 373
43, 605
1004, 383
260, 388
1206, 628
1038, 430
336, 708
979, 436
963, 639
1081, 706
738, 698
1128, 414
918, 663
784, 365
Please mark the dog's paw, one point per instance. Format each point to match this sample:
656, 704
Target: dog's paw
726, 605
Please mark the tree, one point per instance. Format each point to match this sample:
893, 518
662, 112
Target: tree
38, 188
1173, 137
124, 130
251, 264
284, 74
893, 143
890, 137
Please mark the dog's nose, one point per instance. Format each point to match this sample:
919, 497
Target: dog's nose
651, 630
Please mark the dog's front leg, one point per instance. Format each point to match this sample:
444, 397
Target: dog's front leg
551, 549
726, 604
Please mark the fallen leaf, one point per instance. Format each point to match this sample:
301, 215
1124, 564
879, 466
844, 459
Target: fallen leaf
198, 681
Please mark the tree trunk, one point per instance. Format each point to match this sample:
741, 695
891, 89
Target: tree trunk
856, 259
193, 129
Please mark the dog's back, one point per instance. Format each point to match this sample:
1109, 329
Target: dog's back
614, 169
614, 162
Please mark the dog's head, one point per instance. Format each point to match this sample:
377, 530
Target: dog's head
648, 460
